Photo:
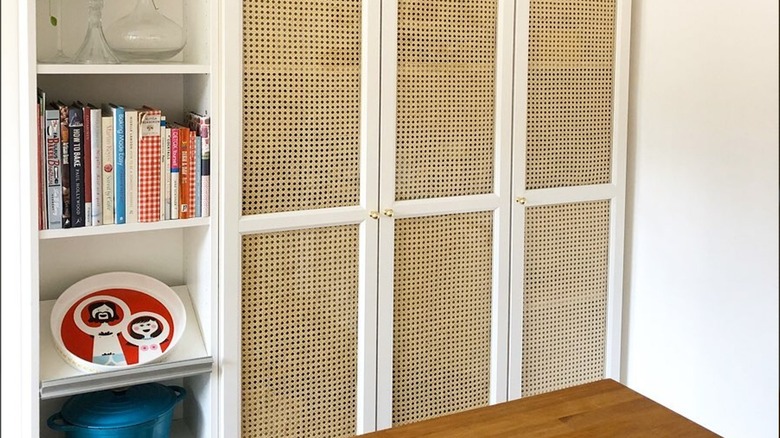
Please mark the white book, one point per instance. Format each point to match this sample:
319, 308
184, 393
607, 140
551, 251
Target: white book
162, 168
131, 165
107, 172
175, 167
96, 155
167, 174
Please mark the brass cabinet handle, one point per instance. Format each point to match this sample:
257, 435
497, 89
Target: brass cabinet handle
388, 212
520, 200
374, 214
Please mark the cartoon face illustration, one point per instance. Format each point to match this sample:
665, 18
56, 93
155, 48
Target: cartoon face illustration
145, 327
102, 311
149, 332
110, 314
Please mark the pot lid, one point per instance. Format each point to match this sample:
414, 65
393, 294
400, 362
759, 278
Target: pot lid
122, 407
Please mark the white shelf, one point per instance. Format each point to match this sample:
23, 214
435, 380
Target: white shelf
123, 228
103, 69
59, 379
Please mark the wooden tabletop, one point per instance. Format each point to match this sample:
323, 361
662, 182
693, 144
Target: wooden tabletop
600, 409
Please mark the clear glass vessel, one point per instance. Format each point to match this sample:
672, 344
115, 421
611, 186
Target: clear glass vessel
55, 18
94, 49
145, 35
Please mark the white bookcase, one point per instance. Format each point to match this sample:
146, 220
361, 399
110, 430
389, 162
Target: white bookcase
181, 253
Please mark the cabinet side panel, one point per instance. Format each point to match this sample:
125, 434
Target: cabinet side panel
570, 92
299, 333
301, 105
445, 98
441, 315
565, 295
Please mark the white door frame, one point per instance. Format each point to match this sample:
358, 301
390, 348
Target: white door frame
499, 201
614, 192
236, 225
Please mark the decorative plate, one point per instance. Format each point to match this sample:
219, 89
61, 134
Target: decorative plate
117, 320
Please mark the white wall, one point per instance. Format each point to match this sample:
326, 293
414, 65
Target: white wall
16, 370
701, 327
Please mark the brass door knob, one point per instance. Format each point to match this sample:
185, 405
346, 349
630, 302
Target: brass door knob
388, 212
374, 215
520, 200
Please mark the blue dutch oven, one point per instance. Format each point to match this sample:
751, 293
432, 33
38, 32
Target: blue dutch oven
141, 411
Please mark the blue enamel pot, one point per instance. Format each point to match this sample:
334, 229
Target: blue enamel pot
140, 411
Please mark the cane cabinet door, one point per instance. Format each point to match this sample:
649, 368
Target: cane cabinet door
571, 67
444, 201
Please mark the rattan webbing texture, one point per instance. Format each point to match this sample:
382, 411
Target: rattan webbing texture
445, 98
301, 104
570, 76
441, 315
565, 295
299, 333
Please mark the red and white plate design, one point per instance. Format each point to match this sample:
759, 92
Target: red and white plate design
117, 320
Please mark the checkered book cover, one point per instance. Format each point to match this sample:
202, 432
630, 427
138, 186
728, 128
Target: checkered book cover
149, 166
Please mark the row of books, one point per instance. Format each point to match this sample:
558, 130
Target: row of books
117, 165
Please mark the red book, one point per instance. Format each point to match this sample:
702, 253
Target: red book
149, 165
192, 180
42, 221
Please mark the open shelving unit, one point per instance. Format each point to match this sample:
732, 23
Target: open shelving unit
183, 254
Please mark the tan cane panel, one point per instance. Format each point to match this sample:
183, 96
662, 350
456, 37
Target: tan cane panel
570, 76
445, 98
441, 315
301, 105
565, 295
299, 333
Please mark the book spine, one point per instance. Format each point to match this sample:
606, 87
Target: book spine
43, 211
185, 173
198, 175
167, 177
119, 165
53, 171
131, 166
149, 166
96, 155
175, 158
107, 181
65, 155
162, 167
192, 159
87, 147
205, 169
76, 127
43, 219
200, 124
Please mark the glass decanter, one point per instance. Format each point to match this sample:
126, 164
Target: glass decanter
145, 35
94, 49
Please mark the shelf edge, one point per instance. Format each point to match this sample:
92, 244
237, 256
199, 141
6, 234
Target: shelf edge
154, 372
123, 228
81, 69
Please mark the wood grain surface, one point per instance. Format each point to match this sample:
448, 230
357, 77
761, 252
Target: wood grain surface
604, 408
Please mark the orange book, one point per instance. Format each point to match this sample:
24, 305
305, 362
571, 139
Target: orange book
186, 171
